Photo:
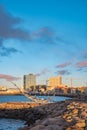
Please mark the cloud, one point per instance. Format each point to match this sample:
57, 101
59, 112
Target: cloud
8, 77
85, 55
44, 35
4, 51
9, 30
64, 65
85, 71
79, 69
81, 64
1, 42
63, 72
8, 27
62, 40
44, 71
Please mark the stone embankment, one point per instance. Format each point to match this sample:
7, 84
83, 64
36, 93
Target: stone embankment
16, 110
17, 105
66, 115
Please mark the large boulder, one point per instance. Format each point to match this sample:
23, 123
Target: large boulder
34, 114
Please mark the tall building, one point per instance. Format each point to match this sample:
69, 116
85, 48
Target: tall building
29, 80
55, 81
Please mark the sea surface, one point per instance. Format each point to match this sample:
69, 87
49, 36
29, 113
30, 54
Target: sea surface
20, 98
12, 124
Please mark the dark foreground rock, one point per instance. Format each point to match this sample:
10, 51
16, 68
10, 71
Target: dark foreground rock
66, 115
16, 110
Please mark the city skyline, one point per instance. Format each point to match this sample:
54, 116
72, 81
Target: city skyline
47, 38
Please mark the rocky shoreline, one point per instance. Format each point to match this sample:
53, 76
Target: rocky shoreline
65, 115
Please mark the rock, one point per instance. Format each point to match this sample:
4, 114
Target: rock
25, 128
33, 115
80, 125
69, 115
75, 111
69, 128
54, 127
86, 122
85, 128
38, 127
53, 121
83, 114
70, 107
76, 128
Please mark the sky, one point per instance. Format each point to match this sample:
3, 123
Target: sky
45, 37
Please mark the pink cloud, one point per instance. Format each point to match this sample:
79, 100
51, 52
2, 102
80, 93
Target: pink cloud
63, 65
8, 77
81, 64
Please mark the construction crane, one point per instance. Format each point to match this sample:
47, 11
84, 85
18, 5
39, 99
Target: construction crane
16, 86
25, 94
29, 96
71, 81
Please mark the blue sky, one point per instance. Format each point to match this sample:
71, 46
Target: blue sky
44, 37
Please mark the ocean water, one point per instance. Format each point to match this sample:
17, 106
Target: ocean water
12, 124
12, 98
54, 98
21, 98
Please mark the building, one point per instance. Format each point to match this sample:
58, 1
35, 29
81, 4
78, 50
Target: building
55, 81
3, 88
86, 90
29, 80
